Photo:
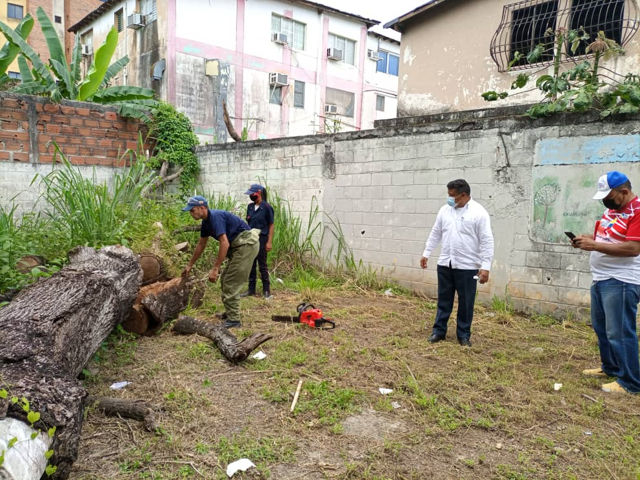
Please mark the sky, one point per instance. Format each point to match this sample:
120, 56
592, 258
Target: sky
382, 10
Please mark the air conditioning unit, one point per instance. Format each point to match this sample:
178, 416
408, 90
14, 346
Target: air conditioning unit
373, 55
330, 108
280, 38
135, 21
86, 50
334, 54
278, 80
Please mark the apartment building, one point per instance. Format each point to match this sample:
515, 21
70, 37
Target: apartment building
281, 67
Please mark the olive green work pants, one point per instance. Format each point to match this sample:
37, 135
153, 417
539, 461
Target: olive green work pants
242, 252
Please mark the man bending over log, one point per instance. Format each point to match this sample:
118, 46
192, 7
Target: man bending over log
238, 243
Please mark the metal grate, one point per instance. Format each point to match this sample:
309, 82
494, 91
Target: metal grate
525, 25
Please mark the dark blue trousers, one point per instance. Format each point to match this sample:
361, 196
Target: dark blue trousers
450, 281
261, 261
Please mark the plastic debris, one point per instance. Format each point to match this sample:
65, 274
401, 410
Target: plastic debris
499, 446
557, 386
385, 391
388, 292
241, 465
259, 355
588, 432
395, 405
279, 280
119, 385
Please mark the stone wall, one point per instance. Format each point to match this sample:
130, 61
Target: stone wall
385, 187
91, 136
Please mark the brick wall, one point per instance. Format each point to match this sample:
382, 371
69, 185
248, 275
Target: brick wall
385, 187
91, 136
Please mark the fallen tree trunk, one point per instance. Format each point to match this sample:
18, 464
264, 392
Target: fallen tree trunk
49, 332
226, 342
135, 409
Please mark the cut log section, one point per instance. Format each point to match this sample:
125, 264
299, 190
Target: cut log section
134, 409
226, 342
49, 332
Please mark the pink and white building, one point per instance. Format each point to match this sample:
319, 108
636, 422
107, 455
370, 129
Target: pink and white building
282, 67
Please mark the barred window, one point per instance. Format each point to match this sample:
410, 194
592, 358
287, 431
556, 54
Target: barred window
529, 23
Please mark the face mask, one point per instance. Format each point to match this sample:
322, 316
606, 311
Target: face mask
253, 197
451, 201
611, 204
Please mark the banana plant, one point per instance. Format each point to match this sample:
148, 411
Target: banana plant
60, 79
9, 52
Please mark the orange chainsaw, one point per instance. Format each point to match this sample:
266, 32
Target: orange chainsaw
308, 314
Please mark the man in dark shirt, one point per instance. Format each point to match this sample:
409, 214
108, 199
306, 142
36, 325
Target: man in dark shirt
260, 216
238, 242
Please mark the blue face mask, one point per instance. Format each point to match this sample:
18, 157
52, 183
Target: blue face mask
451, 201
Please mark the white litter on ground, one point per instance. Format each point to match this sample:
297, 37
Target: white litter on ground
557, 386
241, 465
259, 355
385, 391
119, 385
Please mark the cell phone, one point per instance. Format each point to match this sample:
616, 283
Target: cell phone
570, 235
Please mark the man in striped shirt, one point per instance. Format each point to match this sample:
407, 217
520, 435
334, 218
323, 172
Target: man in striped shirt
615, 292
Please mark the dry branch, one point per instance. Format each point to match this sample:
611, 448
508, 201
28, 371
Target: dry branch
134, 409
227, 122
226, 342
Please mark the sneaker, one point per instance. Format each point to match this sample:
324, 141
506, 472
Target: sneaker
594, 372
232, 324
248, 293
267, 295
613, 387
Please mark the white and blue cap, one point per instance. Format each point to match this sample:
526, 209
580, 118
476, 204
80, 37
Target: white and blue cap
197, 201
609, 181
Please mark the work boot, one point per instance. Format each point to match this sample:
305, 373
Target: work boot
232, 324
594, 372
248, 293
613, 387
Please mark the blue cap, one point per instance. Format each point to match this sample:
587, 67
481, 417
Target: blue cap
255, 188
607, 182
197, 201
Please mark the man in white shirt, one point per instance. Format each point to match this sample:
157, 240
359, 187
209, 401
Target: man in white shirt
464, 229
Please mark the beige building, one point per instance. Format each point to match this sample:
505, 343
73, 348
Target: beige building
454, 50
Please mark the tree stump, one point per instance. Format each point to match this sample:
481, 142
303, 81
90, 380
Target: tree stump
226, 342
49, 332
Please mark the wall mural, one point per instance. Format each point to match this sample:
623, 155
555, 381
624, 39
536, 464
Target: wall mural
564, 181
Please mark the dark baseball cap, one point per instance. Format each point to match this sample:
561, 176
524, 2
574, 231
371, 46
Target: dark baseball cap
197, 201
255, 188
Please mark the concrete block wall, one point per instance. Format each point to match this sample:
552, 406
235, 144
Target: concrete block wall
92, 136
385, 187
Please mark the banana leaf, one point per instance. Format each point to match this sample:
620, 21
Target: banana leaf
122, 93
113, 69
56, 52
25, 72
9, 50
25, 49
98, 69
76, 60
31, 88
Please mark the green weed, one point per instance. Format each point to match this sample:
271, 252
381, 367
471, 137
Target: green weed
327, 402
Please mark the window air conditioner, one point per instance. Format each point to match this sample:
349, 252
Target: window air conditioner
86, 50
280, 38
135, 21
278, 80
373, 55
334, 54
330, 108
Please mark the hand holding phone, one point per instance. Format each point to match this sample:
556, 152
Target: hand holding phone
570, 235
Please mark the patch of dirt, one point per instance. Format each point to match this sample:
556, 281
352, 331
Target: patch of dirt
489, 411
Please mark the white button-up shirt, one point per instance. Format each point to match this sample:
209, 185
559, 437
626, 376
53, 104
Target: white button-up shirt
465, 234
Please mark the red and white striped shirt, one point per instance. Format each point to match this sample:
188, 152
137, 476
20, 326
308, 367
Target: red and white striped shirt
617, 226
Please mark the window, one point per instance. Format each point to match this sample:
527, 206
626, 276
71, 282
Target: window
348, 48
14, 11
388, 63
529, 23
117, 20
275, 95
57, 19
345, 101
298, 94
295, 31
14, 75
529, 29
380, 103
596, 15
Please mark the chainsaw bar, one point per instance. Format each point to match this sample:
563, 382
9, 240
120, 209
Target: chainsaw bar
285, 318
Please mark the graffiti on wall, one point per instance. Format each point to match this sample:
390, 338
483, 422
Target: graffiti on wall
562, 194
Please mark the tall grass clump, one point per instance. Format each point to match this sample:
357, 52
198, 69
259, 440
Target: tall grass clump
85, 212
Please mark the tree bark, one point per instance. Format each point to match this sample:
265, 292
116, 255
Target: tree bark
226, 342
49, 332
229, 124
